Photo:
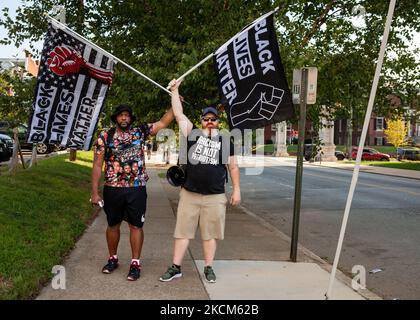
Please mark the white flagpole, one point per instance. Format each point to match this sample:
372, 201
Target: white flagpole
192, 69
80, 37
361, 144
224, 45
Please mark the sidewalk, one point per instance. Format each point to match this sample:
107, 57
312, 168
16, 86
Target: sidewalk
251, 263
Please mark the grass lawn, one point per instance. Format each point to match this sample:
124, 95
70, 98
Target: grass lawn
409, 165
268, 148
43, 211
405, 164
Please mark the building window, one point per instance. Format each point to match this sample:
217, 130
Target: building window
379, 141
379, 124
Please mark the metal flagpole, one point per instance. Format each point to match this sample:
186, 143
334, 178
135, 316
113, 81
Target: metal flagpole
80, 37
224, 45
299, 164
361, 144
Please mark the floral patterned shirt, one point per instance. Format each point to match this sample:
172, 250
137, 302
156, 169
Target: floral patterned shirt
124, 157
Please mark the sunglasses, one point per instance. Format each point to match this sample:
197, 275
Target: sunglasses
210, 119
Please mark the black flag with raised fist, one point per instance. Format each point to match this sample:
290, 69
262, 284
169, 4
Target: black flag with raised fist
252, 84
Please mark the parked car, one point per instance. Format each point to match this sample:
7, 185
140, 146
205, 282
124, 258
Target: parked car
371, 155
6, 147
41, 148
340, 155
309, 150
408, 154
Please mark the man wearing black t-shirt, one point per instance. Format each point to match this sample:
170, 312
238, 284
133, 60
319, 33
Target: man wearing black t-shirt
202, 200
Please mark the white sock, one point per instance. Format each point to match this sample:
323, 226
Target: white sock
114, 257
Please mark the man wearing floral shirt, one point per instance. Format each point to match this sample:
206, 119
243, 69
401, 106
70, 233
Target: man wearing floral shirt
124, 195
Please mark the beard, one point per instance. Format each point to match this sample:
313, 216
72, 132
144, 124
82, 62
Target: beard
123, 125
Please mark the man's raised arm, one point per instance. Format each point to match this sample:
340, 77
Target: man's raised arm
164, 122
184, 123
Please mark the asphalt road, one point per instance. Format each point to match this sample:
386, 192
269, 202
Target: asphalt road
383, 230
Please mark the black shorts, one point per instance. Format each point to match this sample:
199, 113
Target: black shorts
127, 204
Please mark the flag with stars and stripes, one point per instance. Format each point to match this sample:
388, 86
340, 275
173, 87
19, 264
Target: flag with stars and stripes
72, 84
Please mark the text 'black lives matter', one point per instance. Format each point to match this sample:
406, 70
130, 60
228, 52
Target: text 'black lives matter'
251, 79
72, 84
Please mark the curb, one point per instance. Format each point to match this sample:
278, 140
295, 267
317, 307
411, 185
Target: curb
368, 295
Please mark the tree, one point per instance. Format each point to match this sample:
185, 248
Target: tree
396, 132
163, 39
16, 95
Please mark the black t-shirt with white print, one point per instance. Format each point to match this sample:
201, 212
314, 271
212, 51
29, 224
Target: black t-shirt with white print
207, 160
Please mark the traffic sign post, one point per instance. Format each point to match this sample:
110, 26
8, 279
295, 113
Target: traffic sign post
303, 93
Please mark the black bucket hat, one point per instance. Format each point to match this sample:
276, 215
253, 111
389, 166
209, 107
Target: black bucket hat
121, 108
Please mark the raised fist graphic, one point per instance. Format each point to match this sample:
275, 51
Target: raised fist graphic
64, 59
261, 103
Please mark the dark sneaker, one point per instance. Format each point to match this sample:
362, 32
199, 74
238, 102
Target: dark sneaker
134, 272
111, 265
172, 273
209, 274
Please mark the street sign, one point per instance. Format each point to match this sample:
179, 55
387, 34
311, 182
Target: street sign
312, 84
311, 88
297, 77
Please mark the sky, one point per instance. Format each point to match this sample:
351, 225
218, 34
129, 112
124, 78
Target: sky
11, 51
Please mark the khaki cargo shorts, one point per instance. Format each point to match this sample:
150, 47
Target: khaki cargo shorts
205, 211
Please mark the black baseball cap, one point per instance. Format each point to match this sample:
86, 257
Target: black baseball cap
210, 109
120, 109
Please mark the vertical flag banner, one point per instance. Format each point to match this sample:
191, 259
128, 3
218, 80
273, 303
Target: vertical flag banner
251, 80
72, 84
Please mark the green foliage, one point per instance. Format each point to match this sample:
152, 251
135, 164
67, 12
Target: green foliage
16, 108
163, 39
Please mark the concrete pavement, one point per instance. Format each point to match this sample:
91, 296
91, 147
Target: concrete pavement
251, 263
